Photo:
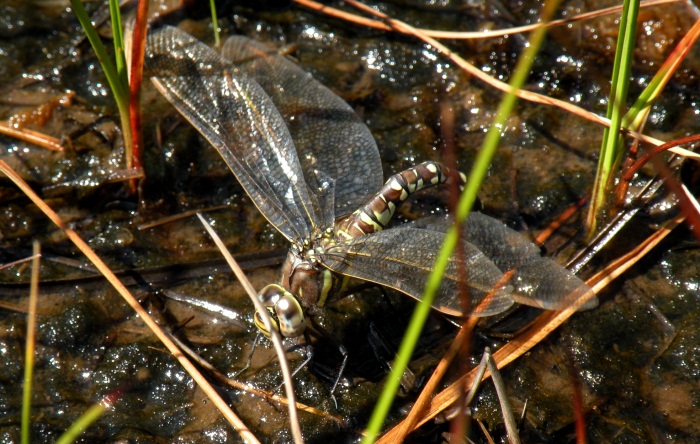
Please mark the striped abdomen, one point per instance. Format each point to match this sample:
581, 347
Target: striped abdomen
377, 213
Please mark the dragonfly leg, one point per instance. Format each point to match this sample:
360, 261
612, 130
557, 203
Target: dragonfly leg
385, 352
309, 355
344, 353
314, 329
256, 341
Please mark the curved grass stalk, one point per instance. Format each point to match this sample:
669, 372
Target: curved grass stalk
471, 35
493, 82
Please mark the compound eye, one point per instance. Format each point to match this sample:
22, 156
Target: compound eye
290, 316
271, 294
284, 309
258, 321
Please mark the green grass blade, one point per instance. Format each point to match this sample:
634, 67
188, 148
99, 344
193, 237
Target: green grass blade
466, 202
86, 420
612, 146
118, 39
215, 23
119, 89
30, 346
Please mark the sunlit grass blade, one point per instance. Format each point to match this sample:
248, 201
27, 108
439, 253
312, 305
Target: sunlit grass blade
83, 422
118, 40
119, 88
466, 203
215, 23
100, 51
612, 146
30, 346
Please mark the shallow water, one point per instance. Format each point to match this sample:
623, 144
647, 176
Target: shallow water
635, 357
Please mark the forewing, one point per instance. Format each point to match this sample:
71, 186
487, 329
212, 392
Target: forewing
238, 118
402, 258
330, 138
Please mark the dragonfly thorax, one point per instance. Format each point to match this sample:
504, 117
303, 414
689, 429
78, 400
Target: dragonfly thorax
305, 277
305, 283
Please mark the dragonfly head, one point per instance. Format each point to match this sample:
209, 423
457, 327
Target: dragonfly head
304, 284
284, 309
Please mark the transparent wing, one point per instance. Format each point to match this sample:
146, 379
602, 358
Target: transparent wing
330, 138
403, 257
538, 281
240, 121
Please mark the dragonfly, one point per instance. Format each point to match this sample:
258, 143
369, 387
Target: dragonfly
312, 168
